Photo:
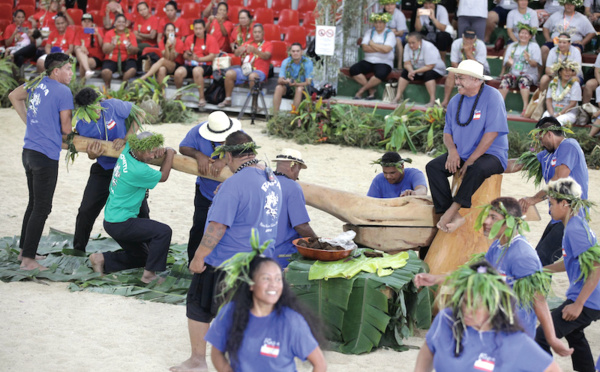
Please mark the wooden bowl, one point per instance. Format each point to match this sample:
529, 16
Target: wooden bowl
320, 254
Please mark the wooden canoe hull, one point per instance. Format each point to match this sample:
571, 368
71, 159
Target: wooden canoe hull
392, 239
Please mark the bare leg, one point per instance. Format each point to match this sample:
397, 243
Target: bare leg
197, 361
298, 95
402, 84
448, 88
451, 219
525, 97
129, 74
362, 80
198, 73
180, 74
588, 90
595, 128
491, 24
370, 86
31, 264
430, 85
40, 65
277, 96
545, 52
399, 52
504, 92
544, 81
230, 77
153, 69
107, 77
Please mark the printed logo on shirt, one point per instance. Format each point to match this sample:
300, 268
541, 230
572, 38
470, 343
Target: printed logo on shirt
477, 115
484, 363
111, 124
148, 28
564, 252
553, 162
270, 348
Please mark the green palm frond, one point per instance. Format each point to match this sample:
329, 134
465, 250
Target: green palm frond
525, 289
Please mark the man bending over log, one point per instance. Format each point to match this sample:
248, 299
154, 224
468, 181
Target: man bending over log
476, 138
145, 242
293, 220
251, 198
45, 105
396, 180
110, 124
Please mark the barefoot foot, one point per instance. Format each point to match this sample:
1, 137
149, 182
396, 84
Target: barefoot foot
457, 221
97, 261
31, 264
37, 256
149, 276
191, 365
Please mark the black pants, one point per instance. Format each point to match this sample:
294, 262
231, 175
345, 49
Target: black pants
441, 194
549, 248
145, 244
201, 206
581, 358
94, 198
42, 173
22, 54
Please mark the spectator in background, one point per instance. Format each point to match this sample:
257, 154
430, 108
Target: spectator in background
256, 60
398, 26
497, 16
212, 8
243, 31
88, 47
564, 93
171, 48
522, 60
563, 51
44, 19
221, 28
467, 47
17, 27
422, 61
145, 27
378, 45
472, 14
120, 49
522, 14
182, 29
198, 53
59, 40
592, 82
111, 10
431, 21
592, 11
295, 74
550, 7
575, 24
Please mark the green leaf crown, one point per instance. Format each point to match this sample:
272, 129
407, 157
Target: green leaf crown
154, 141
380, 17
236, 149
514, 224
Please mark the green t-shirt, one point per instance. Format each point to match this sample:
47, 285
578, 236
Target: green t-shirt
128, 186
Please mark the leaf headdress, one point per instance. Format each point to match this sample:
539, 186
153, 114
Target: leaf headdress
537, 133
576, 203
380, 17
524, 26
421, 2
577, 3
514, 224
156, 140
567, 64
89, 113
236, 149
387, 2
398, 165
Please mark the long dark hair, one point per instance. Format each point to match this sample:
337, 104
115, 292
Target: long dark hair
165, 32
242, 303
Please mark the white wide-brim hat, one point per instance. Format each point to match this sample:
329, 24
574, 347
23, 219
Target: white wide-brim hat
219, 126
291, 155
470, 67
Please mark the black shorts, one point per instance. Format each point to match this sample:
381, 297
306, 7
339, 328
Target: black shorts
426, 76
203, 298
97, 60
289, 92
380, 70
207, 70
111, 65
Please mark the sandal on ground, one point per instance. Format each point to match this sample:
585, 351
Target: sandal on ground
201, 103
89, 74
370, 98
226, 102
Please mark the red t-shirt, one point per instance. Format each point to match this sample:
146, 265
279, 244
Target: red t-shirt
145, 26
179, 49
45, 18
215, 30
83, 39
11, 28
245, 34
63, 41
257, 62
203, 47
114, 55
182, 29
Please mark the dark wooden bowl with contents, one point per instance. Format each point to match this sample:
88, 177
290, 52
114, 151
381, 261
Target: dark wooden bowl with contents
313, 249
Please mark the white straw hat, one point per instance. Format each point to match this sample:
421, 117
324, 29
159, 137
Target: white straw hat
291, 155
470, 67
219, 126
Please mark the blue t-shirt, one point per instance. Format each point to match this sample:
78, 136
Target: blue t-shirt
489, 116
570, 154
44, 131
381, 188
109, 127
577, 239
483, 351
295, 69
293, 213
270, 343
518, 261
194, 140
245, 201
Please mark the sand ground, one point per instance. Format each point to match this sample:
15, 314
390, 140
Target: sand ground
45, 327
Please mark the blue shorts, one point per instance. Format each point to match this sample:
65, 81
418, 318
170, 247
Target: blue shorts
240, 78
502, 14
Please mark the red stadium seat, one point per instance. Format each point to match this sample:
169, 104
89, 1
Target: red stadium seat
97, 17
192, 10
159, 9
233, 13
272, 32
295, 34
309, 23
3, 25
21, 3
263, 16
28, 9
235, 3
94, 5
280, 52
6, 12
255, 4
279, 5
287, 18
75, 15
306, 6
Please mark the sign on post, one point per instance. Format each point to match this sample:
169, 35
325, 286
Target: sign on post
325, 40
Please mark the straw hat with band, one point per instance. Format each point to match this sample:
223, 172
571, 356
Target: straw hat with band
471, 68
219, 126
291, 155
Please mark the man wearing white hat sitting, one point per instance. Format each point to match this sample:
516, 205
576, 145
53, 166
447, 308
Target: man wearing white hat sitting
200, 142
293, 218
475, 135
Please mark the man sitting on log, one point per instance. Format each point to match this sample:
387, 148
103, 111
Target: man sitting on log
145, 242
293, 218
107, 121
396, 180
476, 138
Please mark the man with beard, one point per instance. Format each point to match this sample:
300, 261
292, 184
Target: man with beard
562, 157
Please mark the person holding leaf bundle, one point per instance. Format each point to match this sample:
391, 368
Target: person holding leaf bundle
515, 260
145, 242
264, 325
581, 261
108, 120
395, 180
120, 48
294, 76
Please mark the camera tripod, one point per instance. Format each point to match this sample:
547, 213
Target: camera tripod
254, 94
